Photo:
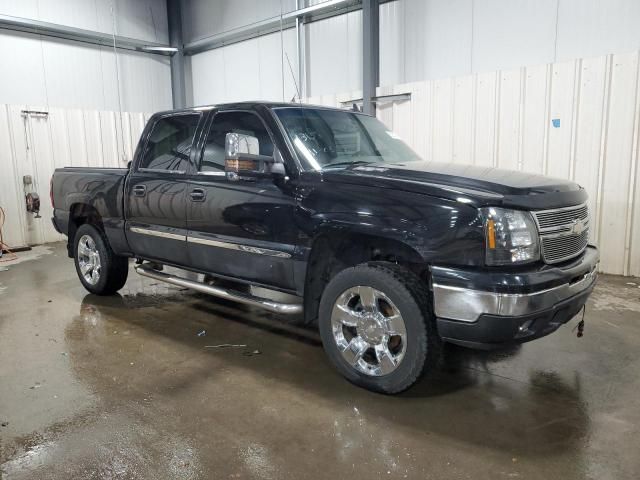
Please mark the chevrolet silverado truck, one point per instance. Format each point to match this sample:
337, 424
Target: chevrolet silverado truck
388, 254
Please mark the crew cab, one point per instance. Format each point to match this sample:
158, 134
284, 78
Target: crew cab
388, 254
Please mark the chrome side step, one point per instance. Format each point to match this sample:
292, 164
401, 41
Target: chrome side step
272, 306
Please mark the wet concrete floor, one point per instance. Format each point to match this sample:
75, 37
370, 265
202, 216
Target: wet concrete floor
123, 387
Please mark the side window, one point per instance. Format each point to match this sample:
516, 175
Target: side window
169, 143
232, 122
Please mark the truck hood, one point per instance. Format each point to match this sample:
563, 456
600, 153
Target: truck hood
470, 184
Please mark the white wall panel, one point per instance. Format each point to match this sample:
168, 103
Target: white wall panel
37, 145
22, 78
10, 193
334, 54
422, 117
511, 34
618, 163
431, 39
434, 36
253, 68
588, 28
392, 41
250, 70
76, 138
534, 118
242, 70
562, 103
485, 139
203, 18
141, 19
209, 84
67, 74
589, 131
463, 120
509, 120
442, 120
41, 162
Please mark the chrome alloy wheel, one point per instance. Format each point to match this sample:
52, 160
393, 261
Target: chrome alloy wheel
89, 259
369, 330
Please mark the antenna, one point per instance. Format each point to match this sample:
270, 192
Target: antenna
293, 77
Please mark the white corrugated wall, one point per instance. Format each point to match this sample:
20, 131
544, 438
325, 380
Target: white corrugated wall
257, 69
430, 39
83, 87
576, 120
36, 145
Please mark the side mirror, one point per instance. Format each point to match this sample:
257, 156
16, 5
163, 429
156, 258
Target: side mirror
242, 158
129, 165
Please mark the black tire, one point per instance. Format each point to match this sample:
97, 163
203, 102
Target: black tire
113, 270
410, 296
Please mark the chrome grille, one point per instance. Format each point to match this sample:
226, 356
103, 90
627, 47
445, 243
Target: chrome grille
564, 232
550, 219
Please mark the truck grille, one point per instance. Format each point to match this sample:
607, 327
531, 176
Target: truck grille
564, 232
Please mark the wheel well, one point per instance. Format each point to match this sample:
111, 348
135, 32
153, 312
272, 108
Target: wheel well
79, 214
333, 253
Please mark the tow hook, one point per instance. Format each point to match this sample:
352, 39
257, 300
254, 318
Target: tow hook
580, 326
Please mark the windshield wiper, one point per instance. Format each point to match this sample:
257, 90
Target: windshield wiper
346, 164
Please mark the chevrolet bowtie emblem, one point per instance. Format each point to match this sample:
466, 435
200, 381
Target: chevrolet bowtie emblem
578, 226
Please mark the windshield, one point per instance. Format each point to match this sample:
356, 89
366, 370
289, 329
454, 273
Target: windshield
325, 139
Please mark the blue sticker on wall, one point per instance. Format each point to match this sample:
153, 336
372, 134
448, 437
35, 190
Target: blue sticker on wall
556, 122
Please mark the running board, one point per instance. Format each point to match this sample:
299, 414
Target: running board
270, 305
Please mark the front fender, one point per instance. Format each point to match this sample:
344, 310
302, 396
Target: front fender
447, 236
441, 231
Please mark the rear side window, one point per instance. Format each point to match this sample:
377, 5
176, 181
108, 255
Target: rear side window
169, 145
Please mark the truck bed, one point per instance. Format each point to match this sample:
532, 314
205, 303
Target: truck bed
97, 191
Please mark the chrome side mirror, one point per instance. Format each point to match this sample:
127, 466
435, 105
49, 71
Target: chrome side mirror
242, 158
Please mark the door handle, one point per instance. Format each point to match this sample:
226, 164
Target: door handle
198, 195
140, 190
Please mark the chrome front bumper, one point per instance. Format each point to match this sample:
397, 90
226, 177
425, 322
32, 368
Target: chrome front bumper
467, 305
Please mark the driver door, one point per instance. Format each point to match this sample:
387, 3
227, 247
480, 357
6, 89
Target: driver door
237, 227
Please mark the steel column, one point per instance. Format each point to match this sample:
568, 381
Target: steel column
178, 89
370, 54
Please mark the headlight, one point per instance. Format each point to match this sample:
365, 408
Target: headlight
511, 236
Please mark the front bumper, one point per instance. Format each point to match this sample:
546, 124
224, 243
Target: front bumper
510, 308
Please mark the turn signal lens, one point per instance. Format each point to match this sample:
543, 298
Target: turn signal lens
491, 234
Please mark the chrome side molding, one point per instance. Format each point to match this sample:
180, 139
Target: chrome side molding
212, 243
270, 305
158, 233
237, 246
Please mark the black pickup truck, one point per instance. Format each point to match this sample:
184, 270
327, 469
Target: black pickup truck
390, 255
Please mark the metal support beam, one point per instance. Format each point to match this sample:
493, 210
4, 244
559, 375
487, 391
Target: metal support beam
319, 11
370, 54
37, 27
178, 88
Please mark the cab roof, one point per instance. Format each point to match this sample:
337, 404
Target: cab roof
249, 105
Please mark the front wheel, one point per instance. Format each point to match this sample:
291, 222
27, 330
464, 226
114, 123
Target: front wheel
377, 327
99, 269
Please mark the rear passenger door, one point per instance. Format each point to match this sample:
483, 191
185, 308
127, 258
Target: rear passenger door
243, 229
155, 207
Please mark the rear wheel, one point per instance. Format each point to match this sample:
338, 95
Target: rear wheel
377, 327
99, 269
